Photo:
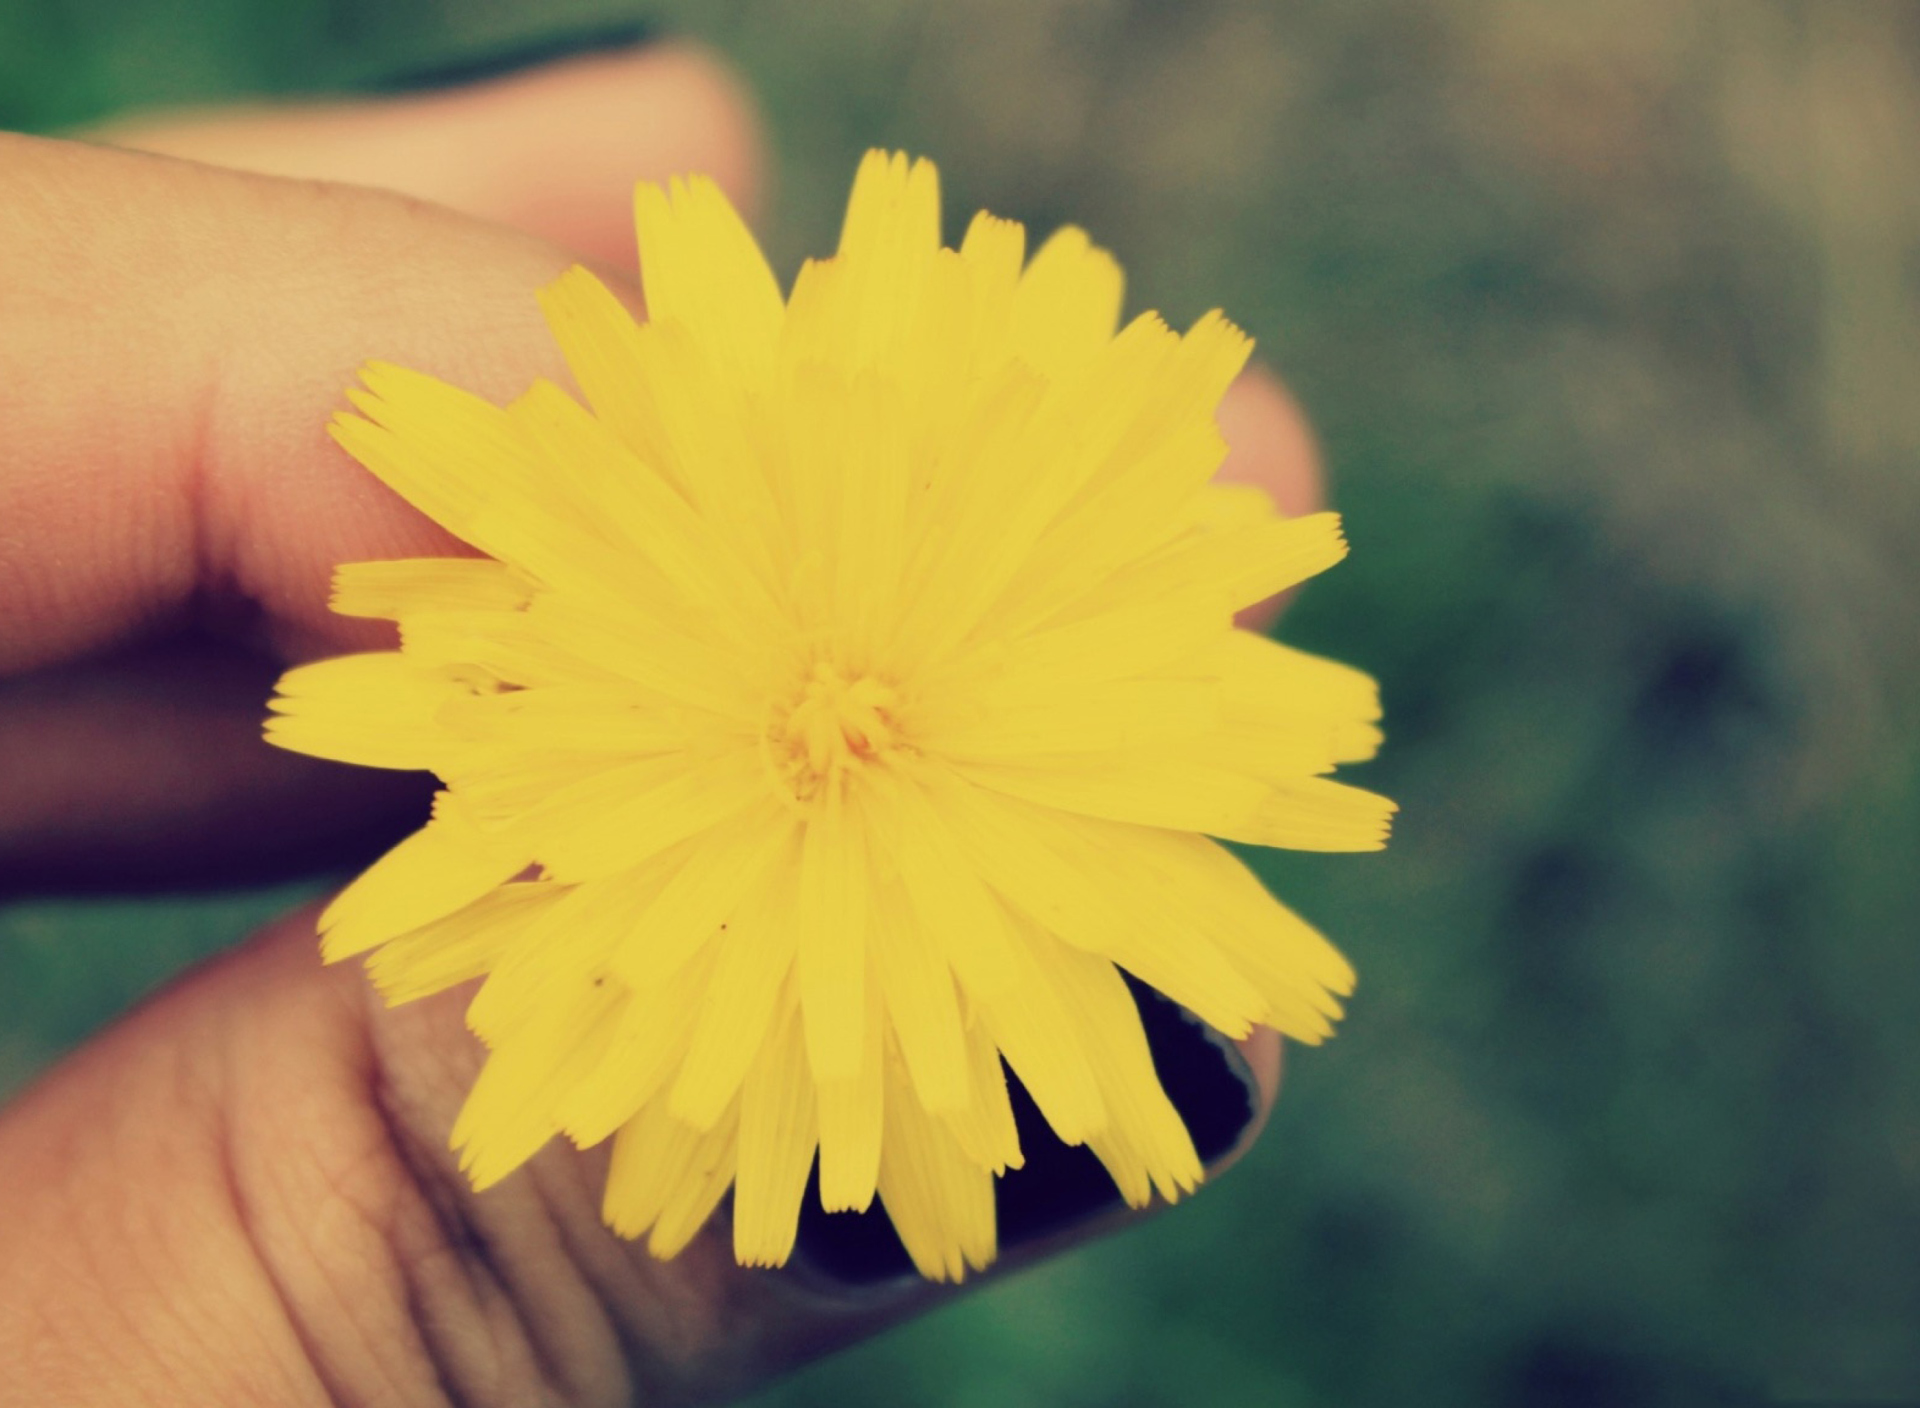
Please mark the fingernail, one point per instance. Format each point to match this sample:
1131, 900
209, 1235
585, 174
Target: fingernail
848, 1248
515, 57
1202, 1071
1061, 1186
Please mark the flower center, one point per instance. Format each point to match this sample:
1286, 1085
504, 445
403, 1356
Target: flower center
835, 725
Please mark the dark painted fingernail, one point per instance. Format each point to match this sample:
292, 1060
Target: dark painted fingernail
1061, 1186
1202, 1071
851, 1248
531, 52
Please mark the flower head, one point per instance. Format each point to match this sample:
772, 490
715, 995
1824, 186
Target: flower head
847, 693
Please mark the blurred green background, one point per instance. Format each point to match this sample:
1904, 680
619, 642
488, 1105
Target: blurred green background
1606, 314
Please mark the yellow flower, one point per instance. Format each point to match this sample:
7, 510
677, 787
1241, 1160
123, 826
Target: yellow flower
842, 702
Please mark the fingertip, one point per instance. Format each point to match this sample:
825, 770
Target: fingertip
1270, 446
1269, 442
575, 137
720, 104
1261, 1050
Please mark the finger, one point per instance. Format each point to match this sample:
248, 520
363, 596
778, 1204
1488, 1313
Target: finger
553, 150
165, 380
183, 358
243, 1193
1270, 446
145, 770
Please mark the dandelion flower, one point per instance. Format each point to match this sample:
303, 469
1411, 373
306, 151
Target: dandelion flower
848, 693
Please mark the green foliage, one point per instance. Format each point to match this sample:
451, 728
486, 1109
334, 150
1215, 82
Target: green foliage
1604, 315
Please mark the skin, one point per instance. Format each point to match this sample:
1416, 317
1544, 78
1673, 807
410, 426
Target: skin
240, 1194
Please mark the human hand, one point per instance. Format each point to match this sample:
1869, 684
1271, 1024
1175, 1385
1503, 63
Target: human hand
242, 1193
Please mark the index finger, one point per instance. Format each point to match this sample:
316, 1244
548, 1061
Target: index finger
174, 337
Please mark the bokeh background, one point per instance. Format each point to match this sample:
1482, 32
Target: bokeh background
1606, 313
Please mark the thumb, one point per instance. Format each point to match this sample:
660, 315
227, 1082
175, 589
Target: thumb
243, 1195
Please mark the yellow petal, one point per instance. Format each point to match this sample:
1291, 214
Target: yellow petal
1148, 789
467, 944
509, 1113
1268, 685
493, 650
441, 449
778, 1135
680, 567
564, 948
697, 1192
601, 343
993, 251
895, 202
647, 1047
1145, 1144
988, 726
631, 813
851, 1112
390, 590
1142, 512
940, 1201
708, 879
921, 1001
1016, 493
1166, 636
678, 669
709, 442
874, 472
752, 957
831, 919
1145, 492
1292, 965
701, 266
995, 447
566, 718
984, 1127
377, 710
1238, 566
444, 866
462, 461
1055, 869
660, 1164
1067, 304
1004, 985
887, 244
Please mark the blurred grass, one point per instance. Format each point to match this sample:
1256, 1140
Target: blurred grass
1606, 315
